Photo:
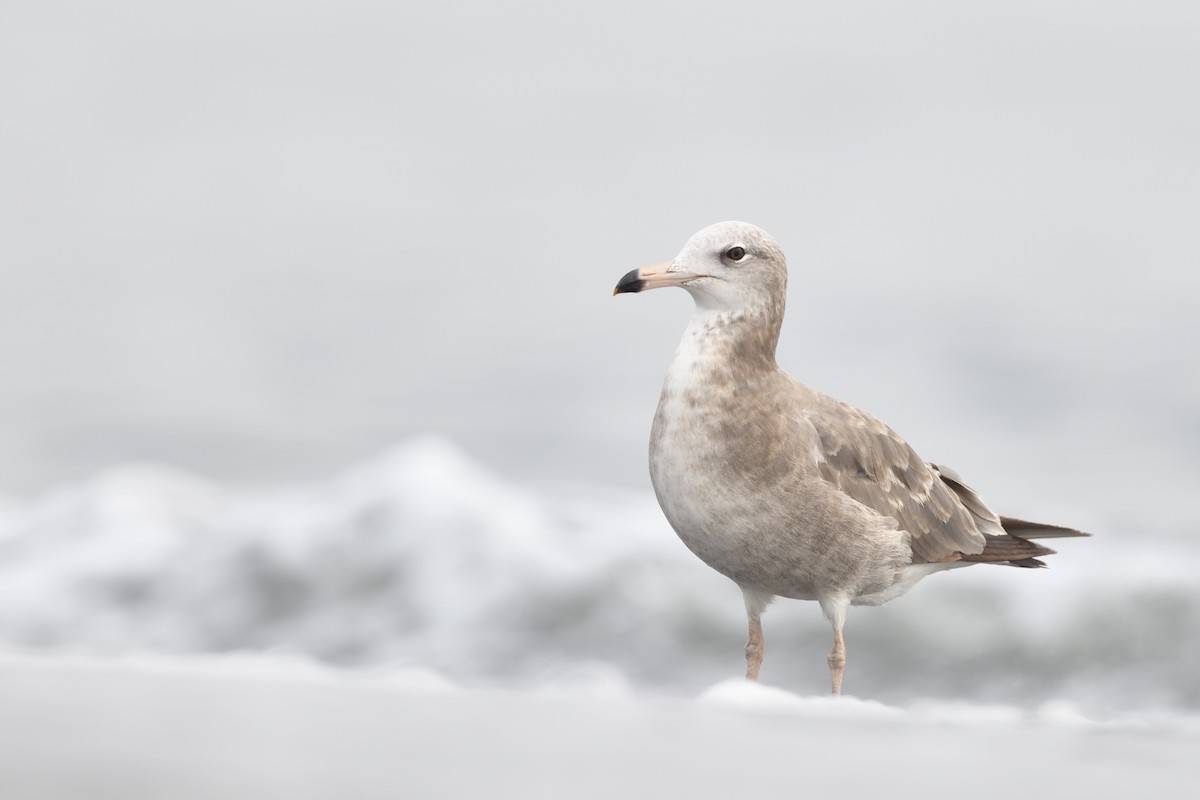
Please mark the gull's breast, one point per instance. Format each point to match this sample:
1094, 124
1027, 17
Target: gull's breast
731, 482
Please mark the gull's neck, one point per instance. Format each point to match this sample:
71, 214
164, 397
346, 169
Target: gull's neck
731, 343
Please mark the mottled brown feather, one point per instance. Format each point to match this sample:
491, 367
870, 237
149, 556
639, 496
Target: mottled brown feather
871, 463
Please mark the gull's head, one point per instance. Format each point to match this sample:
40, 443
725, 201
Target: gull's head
729, 266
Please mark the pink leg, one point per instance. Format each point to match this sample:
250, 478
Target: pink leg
837, 660
756, 603
754, 648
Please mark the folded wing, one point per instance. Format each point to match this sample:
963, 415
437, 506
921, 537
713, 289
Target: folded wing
946, 519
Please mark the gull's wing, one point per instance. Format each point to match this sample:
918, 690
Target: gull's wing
945, 518
871, 463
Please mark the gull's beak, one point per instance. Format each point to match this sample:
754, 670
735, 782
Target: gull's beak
653, 277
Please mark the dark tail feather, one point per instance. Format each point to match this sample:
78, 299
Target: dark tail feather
1015, 549
1010, 550
1037, 530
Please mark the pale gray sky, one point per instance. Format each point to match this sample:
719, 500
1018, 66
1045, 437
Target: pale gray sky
260, 241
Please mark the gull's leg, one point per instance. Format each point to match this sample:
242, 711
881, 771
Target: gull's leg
837, 660
834, 608
754, 648
755, 603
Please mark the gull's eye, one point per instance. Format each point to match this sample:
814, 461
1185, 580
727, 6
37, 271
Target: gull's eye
735, 253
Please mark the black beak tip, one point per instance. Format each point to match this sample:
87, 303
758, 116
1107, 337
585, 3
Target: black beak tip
630, 282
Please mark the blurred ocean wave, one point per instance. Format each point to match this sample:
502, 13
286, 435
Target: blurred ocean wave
423, 557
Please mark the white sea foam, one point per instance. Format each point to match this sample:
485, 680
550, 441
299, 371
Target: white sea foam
423, 557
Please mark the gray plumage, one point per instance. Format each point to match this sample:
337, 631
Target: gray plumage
785, 490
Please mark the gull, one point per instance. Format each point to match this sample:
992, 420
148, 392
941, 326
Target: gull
785, 490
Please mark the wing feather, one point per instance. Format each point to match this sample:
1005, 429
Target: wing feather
871, 463
986, 521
